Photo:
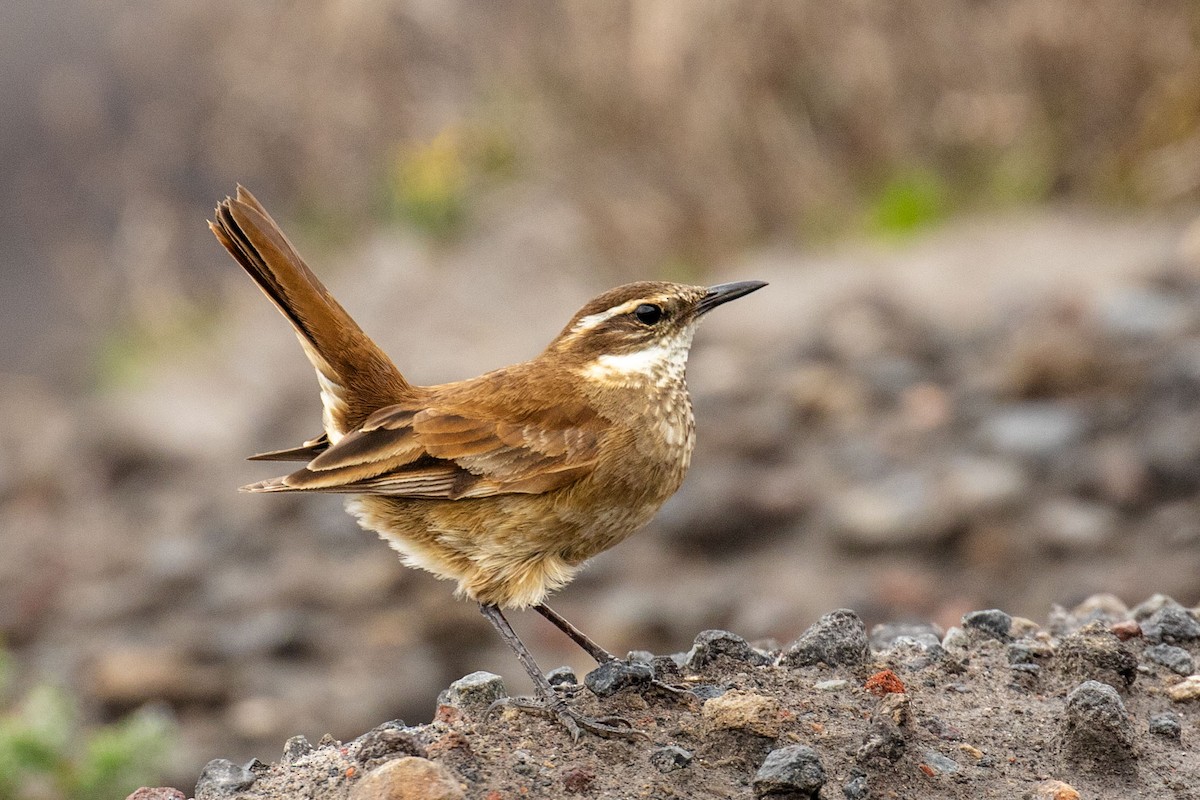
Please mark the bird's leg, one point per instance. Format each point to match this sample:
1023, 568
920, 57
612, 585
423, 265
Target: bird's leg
547, 701
594, 650
577, 636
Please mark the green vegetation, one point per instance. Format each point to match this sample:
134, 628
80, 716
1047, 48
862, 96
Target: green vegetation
911, 200
45, 754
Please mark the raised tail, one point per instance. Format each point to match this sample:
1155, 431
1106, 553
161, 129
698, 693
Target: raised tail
356, 377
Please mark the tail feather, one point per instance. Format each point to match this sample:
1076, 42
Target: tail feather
356, 377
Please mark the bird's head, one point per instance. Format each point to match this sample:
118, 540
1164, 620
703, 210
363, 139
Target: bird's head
640, 331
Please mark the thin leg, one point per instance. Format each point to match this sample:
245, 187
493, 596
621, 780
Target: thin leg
547, 701
594, 650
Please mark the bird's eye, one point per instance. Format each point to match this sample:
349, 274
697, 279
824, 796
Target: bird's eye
648, 313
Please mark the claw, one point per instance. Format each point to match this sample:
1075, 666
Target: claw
610, 727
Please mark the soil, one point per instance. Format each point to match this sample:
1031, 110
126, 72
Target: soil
1000, 708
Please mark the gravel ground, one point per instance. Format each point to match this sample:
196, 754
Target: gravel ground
1092, 704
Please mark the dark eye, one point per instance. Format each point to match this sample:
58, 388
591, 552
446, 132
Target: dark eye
648, 313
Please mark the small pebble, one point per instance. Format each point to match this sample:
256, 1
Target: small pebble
408, 778
476, 691
888, 636
157, 793
613, 676
670, 758
1096, 734
792, 771
1166, 724
640, 656
1174, 658
939, 762
295, 749
562, 676
742, 710
1055, 790
385, 742
857, 788
1186, 690
1171, 625
833, 685
711, 645
221, 778
993, 622
839, 638
1151, 604
1126, 630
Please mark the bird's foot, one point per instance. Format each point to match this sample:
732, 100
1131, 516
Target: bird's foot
610, 727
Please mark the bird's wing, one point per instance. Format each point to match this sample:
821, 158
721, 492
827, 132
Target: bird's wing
452, 451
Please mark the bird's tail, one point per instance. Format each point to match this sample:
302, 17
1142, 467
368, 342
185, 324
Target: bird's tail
356, 377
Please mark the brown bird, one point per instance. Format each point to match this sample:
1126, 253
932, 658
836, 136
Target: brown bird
505, 483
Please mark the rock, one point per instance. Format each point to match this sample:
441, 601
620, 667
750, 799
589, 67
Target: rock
157, 793
1126, 630
742, 710
578, 780
1095, 734
993, 622
1151, 604
839, 638
1033, 429
939, 763
1069, 525
385, 742
1171, 625
476, 691
833, 685
1186, 690
295, 749
613, 676
901, 510
711, 645
886, 636
1166, 724
1051, 789
792, 771
857, 788
408, 778
222, 778
641, 656
1095, 653
562, 676
1174, 658
670, 758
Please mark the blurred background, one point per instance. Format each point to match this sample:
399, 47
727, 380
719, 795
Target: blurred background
973, 381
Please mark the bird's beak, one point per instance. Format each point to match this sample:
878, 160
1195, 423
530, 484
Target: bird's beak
725, 292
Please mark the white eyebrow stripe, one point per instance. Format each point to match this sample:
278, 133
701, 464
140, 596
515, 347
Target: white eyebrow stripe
592, 320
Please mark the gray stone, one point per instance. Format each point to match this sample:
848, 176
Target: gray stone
893, 635
643, 656
1154, 602
295, 749
857, 788
475, 691
1033, 429
714, 644
1174, 658
792, 771
610, 678
562, 676
939, 762
839, 638
386, 742
1171, 625
670, 758
1166, 724
222, 778
1096, 733
992, 622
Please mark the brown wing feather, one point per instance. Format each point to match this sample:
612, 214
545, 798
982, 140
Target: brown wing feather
450, 453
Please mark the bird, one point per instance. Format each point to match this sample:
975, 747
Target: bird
506, 483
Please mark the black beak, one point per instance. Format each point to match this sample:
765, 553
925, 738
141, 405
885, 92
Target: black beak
724, 293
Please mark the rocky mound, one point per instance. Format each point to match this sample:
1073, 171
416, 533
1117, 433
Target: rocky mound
1100, 702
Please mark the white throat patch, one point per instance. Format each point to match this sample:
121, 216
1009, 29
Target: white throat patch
659, 363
